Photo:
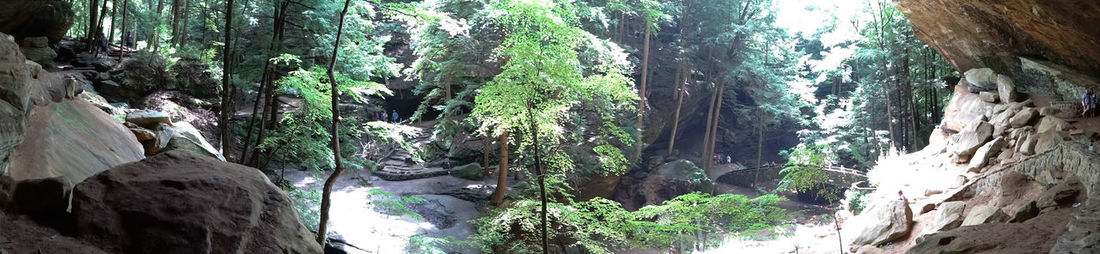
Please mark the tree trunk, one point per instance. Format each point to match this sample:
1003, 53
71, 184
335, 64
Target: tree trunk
326, 200
714, 127
226, 109
759, 147
486, 148
502, 178
265, 80
642, 93
541, 174
114, 22
93, 11
154, 37
681, 81
122, 47
706, 135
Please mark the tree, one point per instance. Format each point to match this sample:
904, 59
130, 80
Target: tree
540, 82
227, 88
326, 200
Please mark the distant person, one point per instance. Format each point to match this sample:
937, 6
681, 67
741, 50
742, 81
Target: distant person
1088, 103
902, 197
102, 42
395, 118
729, 159
385, 114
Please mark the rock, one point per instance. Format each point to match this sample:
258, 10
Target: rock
138, 78
181, 202
24, 19
1054, 80
37, 49
472, 171
1028, 145
984, 153
971, 138
990, 97
1049, 111
104, 64
983, 78
148, 118
1037, 235
1046, 141
1001, 119
15, 104
949, 216
960, 180
1064, 193
187, 137
164, 135
881, 222
193, 77
44, 200
1049, 123
73, 139
1006, 88
930, 192
640, 188
1024, 212
927, 208
984, 214
143, 134
1022, 118
963, 109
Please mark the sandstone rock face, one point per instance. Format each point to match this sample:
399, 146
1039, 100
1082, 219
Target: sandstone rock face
181, 202
669, 180
993, 33
949, 216
984, 214
44, 200
990, 97
38, 49
72, 139
148, 118
36, 18
1047, 141
1054, 80
1049, 123
882, 222
15, 104
971, 139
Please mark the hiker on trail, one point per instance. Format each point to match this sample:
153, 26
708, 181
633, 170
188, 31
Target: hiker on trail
1088, 103
385, 113
395, 118
729, 159
902, 197
102, 42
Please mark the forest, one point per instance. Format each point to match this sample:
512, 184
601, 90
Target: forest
563, 126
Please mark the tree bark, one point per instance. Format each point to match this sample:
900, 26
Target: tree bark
714, 127
122, 46
679, 95
642, 93
706, 135
326, 200
226, 109
541, 173
93, 11
502, 178
114, 22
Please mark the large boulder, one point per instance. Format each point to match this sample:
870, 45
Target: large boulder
73, 139
1049, 123
949, 216
50, 18
38, 49
44, 200
981, 157
984, 79
137, 77
193, 77
963, 109
1022, 118
15, 99
181, 202
984, 214
472, 171
671, 179
1037, 235
972, 138
880, 223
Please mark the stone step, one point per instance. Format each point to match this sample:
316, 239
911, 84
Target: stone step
408, 172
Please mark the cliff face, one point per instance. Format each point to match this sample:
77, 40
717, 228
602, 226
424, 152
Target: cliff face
995, 33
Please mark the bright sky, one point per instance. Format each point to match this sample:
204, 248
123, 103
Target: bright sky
809, 16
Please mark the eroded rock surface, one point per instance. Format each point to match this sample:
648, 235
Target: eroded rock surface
181, 202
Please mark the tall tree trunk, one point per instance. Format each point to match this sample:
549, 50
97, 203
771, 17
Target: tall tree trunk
714, 128
541, 173
502, 178
678, 94
759, 147
706, 135
93, 11
642, 93
154, 37
114, 22
326, 200
265, 81
122, 47
227, 51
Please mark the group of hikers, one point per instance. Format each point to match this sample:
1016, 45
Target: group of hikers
387, 117
719, 159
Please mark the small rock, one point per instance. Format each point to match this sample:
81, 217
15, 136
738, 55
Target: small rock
960, 180
930, 192
927, 208
1028, 145
164, 136
148, 118
990, 97
143, 134
984, 214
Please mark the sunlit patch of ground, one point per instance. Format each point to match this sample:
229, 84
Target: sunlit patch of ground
802, 239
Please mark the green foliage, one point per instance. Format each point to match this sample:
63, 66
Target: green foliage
603, 226
388, 203
857, 201
421, 244
306, 203
804, 173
